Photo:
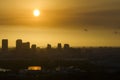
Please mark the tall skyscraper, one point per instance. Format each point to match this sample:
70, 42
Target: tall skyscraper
59, 46
26, 45
18, 44
48, 46
5, 45
66, 46
33, 47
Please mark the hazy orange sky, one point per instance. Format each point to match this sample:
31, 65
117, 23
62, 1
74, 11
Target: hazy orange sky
77, 22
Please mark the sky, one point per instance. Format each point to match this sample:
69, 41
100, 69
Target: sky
76, 22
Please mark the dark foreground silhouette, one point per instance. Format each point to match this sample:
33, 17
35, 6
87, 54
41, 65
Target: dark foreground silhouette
72, 75
60, 63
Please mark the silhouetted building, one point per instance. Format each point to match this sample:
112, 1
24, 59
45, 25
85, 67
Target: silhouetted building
59, 46
48, 46
18, 44
26, 45
33, 47
66, 46
5, 45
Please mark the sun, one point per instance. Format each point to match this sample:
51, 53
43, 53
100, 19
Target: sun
36, 12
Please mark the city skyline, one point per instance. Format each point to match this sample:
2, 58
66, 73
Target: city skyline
6, 42
78, 22
19, 44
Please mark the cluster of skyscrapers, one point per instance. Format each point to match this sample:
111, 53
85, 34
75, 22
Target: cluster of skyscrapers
26, 45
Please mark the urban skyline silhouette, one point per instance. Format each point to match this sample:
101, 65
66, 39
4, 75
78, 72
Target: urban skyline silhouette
21, 44
59, 39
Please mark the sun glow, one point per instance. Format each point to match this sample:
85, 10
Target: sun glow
36, 12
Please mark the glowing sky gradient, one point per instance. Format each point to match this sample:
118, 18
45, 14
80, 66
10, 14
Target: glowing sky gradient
77, 22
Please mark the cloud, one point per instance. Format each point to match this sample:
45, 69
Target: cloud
117, 32
68, 17
105, 18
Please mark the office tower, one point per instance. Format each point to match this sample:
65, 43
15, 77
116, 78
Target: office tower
48, 46
33, 47
66, 46
18, 44
26, 45
5, 45
59, 46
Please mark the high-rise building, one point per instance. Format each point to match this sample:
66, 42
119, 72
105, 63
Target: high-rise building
18, 44
33, 47
48, 46
66, 46
5, 45
26, 45
59, 46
